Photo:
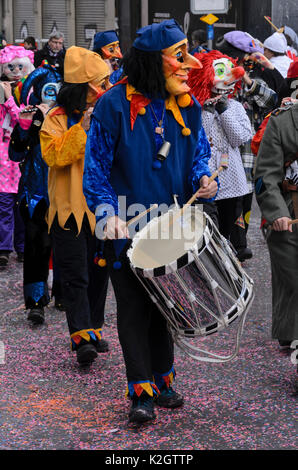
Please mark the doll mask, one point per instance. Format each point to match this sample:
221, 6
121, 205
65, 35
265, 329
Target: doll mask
17, 68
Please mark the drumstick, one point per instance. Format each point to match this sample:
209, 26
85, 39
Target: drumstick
137, 217
280, 30
154, 206
293, 222
223, 166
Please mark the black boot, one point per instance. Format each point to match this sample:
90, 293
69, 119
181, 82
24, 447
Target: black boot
142, 409
4, 257
20, 257
59, 304
36, 315
102, 346
86, 353
168, 398
244, 253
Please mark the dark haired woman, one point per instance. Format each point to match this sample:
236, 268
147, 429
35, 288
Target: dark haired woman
63, 138
129, 126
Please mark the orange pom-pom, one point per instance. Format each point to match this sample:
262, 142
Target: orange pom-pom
102, 263
184, 100
142, 111
186, 131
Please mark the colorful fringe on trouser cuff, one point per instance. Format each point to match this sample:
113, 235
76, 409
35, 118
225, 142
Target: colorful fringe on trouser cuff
87, 335
166, 379
137, 388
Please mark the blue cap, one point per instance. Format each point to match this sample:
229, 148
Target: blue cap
158, 36
104, 38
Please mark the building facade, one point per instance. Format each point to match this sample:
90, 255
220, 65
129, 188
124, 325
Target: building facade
80, 19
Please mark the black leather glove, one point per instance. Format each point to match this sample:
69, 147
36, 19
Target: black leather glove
222, 104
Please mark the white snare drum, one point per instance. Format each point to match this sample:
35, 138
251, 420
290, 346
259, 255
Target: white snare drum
193, 276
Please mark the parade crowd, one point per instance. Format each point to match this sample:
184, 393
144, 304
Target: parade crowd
80, 128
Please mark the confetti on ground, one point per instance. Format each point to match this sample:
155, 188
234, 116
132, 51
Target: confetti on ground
48, 402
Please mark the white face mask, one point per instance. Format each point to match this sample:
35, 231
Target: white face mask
17, 68
223, 76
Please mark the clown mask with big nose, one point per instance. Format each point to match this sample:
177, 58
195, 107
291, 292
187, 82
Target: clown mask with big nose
176, 64
112, 54
225, 76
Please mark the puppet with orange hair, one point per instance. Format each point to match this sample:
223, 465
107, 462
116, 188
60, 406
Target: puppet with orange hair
227, 128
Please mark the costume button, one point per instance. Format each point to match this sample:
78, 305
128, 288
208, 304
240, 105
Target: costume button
142, 111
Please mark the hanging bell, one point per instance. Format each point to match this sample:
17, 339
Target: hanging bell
164, 151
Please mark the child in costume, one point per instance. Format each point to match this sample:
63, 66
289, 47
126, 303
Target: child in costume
106, 44
227, 127
16, 62
42, 85
129, 125
63, 138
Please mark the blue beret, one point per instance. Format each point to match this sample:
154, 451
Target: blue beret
104, 38
158, 36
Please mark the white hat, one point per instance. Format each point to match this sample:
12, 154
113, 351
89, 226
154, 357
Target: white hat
276, 43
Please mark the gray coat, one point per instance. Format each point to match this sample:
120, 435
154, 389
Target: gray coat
278, 148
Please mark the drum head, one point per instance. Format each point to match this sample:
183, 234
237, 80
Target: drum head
167, 238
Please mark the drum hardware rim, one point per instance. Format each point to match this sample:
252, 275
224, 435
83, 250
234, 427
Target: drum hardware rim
213, 357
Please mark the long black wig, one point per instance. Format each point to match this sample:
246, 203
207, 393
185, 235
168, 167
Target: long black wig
144, 72
73, 97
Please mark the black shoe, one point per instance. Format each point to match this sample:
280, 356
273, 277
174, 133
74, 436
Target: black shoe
36, 315
20, 257
4, 257
59, 305
102, 346
284, 344
142, 409
244, 253
168, 398
86, 354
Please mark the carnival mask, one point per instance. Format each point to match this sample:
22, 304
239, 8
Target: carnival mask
112, 53
225, 76
97, 88
176, 64
17, 68
49, 93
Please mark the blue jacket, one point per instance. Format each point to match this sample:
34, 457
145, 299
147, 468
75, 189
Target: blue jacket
119, 161
24, 147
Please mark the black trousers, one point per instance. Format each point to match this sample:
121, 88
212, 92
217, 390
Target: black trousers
84, 284
238, 234
228, 212
37, 253
143, 334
